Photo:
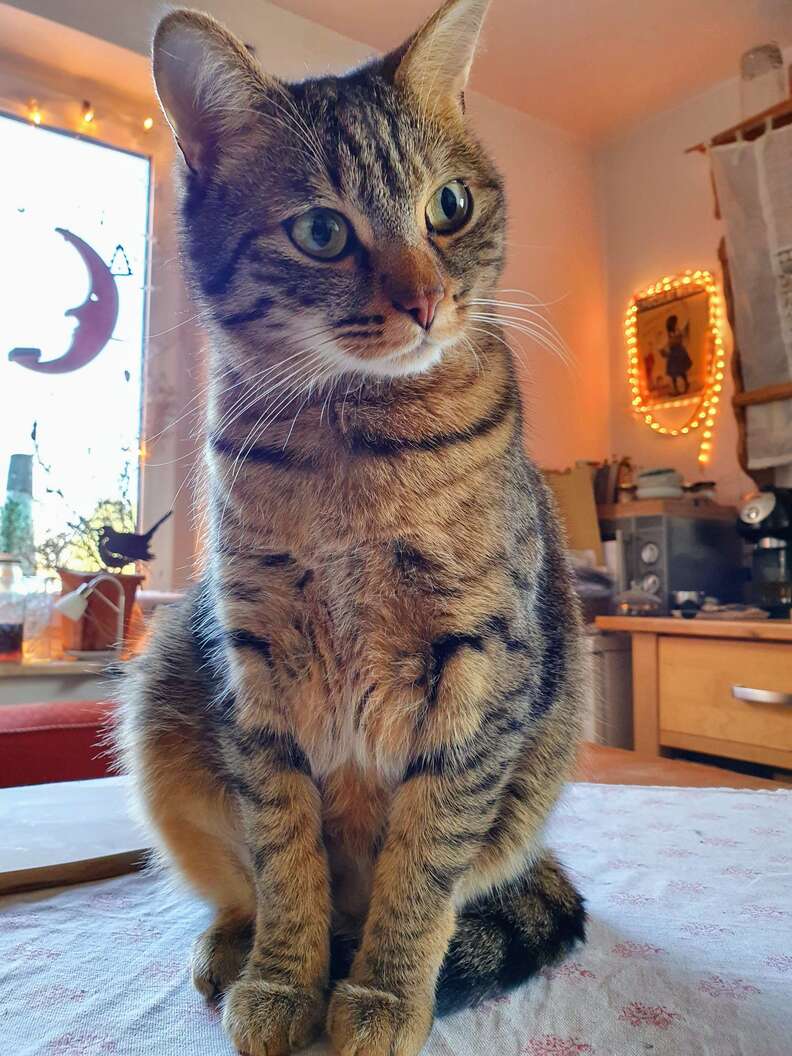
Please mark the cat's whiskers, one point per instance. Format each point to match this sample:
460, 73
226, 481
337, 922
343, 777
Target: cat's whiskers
492, 304
251, 398
534, 330
262, 423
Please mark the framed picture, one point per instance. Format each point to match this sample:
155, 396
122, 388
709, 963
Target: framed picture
674, 345
676, 355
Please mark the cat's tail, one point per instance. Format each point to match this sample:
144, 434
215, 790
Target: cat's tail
508, 935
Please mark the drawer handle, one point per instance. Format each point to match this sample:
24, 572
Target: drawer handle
761, 696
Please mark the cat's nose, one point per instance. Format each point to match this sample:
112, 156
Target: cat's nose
420, 304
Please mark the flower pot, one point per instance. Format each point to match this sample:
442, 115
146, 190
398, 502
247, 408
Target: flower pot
97, 630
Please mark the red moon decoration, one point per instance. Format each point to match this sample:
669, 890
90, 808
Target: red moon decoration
96, 318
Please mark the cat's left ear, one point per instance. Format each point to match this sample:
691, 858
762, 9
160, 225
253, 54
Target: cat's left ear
435, 62
208, 84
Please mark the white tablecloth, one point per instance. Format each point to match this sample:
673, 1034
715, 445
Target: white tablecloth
689, 953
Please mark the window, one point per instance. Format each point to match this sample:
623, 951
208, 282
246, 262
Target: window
74, 217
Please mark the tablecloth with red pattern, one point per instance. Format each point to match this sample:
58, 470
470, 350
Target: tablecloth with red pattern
689, 952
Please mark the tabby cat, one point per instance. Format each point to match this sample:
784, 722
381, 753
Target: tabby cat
350, 734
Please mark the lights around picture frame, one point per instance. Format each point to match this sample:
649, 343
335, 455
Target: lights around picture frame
702, 420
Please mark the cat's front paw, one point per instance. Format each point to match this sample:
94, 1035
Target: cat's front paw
218, 957
272, 1019
366, 1022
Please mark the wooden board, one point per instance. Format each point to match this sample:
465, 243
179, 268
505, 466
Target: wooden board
66, 833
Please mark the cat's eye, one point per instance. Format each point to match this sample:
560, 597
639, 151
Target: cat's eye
321, 233
449, 208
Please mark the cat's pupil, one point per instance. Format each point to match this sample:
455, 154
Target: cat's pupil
321, 231
449, 202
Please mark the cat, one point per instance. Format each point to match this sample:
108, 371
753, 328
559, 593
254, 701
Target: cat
349, 735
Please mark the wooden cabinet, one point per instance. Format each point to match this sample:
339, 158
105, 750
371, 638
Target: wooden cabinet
723, 689
708, 693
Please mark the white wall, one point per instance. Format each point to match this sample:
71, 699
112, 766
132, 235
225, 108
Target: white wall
658, 219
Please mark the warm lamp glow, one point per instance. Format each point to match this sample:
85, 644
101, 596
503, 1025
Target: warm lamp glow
148, 124
707, 407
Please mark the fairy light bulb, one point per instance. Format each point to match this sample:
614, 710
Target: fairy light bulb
34, 112
87, 112
148, 124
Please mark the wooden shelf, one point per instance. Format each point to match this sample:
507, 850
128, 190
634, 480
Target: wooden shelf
767, 394
751, 128
703, 509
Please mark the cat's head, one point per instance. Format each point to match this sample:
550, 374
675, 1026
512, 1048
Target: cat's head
344, 221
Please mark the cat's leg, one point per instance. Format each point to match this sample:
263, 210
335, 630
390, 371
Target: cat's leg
506, 936
200, 831
278, 1004
439, 816
465, 821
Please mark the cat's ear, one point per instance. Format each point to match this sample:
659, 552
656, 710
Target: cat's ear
435, 62
207, 82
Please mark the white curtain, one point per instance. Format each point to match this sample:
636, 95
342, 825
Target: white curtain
754, 186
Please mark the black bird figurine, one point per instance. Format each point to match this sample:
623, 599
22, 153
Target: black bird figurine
122, 548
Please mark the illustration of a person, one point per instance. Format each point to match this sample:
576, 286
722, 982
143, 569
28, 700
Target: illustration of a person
649, 362
678, 361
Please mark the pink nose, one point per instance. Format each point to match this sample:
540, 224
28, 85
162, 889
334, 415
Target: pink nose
420, 304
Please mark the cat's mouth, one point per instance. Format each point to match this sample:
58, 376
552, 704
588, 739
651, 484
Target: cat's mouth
416, 357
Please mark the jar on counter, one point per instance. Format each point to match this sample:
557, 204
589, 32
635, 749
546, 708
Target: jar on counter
12, 609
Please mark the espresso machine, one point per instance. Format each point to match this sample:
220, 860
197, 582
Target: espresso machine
764, 519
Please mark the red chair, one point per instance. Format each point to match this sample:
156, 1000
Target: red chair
58, 741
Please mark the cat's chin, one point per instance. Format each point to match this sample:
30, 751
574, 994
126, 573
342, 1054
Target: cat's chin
416, 358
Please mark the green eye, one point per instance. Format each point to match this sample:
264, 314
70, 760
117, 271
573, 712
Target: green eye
321, 233
449, 208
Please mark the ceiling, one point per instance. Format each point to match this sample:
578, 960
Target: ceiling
592, 67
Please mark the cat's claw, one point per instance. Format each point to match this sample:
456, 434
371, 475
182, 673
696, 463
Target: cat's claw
272, 1019
365, 1022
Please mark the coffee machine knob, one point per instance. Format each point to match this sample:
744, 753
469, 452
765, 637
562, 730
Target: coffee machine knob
650, 552
650, 583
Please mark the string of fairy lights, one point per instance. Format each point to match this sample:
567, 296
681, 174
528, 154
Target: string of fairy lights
702, 419
36, 115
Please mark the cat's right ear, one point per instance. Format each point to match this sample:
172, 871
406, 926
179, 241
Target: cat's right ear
207, 82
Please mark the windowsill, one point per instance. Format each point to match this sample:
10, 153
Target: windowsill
39, 668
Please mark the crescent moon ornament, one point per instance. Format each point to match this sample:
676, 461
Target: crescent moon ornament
96, 318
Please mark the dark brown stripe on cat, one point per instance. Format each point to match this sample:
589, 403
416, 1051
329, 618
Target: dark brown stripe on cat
219, 282
442, 650
242, 639
273, 456
361, 444
271, 560
240, 592
281, 746
304, 579
258, 310
360, 320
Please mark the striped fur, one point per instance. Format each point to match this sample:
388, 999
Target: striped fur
349, 736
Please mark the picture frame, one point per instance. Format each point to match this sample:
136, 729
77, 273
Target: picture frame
676, 355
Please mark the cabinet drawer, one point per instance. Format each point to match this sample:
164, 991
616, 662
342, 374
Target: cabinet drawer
697, 677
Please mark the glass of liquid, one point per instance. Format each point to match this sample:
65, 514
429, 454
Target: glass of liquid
12, 609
